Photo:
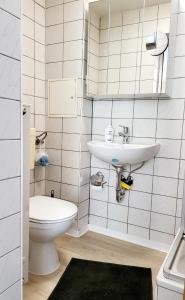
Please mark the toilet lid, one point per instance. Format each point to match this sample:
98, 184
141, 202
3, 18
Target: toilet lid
47, 209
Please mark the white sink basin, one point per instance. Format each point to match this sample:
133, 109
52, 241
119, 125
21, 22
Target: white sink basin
122, 154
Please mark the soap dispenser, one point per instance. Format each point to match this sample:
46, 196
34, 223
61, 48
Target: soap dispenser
109, 134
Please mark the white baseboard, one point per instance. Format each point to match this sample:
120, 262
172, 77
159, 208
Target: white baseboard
120, 236
130, 238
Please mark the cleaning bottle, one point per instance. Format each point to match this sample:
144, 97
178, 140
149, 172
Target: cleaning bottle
109, 134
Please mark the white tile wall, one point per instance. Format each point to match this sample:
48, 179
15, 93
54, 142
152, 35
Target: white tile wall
69, 171
33, 70
10, 120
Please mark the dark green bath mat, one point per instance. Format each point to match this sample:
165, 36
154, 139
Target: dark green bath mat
90, 280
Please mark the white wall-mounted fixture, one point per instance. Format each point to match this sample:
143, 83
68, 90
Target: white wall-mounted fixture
122, 154
62, 97
157, 43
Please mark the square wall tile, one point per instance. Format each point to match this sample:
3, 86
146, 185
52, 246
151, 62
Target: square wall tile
54, 34
73, 68
28, 66
117, 212
40, 188
169, 129
39, 14
115, 33
10, 148
138, 231
10, 78
9, 130
10, 203
83, 209
102, 109
99, 126
140, 200
145, 109
98, 208
28, 27
166, 167
12, 7
69, 192
54, 156
142, 183
13, 292
70, 176
181, 24
161, 237
122, 109
97, 221
28, 46
39, 52
54, 15
117, 226
73, 11
139, 217
11, 40
165, 186
40, 33
169, 148
54, 52
171, 109
10, 269
53, 173
28, 8
70, 159
144, 128
164, 205
131, 17
71, 142
101, 195
116, 19
54, 125
54, 70
73, 30
12, 226
163, 223
130, 31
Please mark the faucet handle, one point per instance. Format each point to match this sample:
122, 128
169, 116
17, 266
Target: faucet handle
124, 129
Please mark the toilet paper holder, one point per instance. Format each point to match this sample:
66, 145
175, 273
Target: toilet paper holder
40, 138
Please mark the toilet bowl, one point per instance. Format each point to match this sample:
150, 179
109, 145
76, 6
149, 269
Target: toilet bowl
48, 219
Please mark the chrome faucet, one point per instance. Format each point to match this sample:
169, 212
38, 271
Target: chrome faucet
123, 133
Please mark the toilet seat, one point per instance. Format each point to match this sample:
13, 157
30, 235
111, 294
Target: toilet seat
47, 210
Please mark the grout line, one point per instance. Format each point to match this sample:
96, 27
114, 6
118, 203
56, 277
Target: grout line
8, 12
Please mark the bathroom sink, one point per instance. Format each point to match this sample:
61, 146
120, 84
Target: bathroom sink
122, 154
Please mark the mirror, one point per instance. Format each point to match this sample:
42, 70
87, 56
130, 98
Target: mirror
128, 45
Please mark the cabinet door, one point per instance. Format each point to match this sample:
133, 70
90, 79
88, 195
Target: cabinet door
62, 101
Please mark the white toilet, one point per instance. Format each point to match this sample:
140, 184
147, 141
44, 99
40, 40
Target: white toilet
48, 219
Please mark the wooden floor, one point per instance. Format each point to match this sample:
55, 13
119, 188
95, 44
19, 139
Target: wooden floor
97, 247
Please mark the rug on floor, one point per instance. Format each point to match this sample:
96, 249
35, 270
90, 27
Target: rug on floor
91, 280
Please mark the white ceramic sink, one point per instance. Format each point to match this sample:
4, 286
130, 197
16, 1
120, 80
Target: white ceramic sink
122, 154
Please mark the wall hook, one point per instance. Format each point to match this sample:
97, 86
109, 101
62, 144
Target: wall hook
40, 138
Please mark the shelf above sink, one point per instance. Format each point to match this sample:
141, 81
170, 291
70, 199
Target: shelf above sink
122, 154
